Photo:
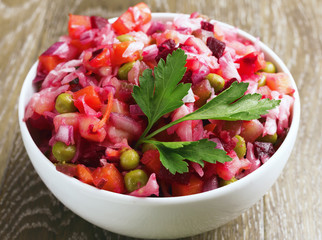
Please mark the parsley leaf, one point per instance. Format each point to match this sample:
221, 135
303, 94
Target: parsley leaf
173, 154
233, 105
162, 94
230, 105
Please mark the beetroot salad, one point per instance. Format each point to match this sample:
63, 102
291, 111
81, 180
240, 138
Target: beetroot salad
149, 108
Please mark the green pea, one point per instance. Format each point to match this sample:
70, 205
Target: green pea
64, 103
135, 179
148, 146
240, 147
62, 152
216, 81
262, 81
223, 182
129, 159
124, 70
269, 68
125, 38
268, 138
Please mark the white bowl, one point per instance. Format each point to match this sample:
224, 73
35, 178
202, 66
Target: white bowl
171, 217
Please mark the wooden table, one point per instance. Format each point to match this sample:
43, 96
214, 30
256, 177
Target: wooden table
292, 209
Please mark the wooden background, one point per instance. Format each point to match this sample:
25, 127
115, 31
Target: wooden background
292, 209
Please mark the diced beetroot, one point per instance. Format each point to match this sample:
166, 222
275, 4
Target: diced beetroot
156, 26
98, 22
228, 142
209, 170
124, 90
135, 110
228, 83
233, 127
165, 48
187, 76
263, 150
168, 177
39, 122
216, 46
164, 136
89, 153
68, 169
207, 26
210, 183
251, 130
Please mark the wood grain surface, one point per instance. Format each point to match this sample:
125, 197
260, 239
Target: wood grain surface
292, 209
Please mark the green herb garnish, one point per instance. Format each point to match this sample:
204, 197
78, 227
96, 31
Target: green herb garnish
173, 154
161, 94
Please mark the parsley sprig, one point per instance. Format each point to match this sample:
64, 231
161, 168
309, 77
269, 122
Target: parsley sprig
161, 93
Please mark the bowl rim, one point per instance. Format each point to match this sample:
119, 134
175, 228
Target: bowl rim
98, 193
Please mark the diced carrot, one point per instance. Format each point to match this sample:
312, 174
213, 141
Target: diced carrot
109, 178
106, 115
194, 186
78, 24
210, 127
84, 174
117, 53
133, 18
49, 62
151, 160
92, 99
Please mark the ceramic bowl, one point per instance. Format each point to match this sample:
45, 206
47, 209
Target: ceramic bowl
171, 217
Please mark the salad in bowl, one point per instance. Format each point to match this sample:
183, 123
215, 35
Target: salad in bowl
157, 106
